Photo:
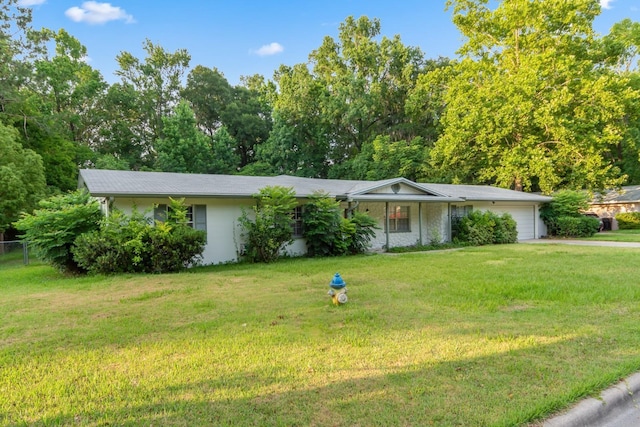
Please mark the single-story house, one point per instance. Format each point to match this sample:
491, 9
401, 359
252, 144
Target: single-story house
612, 202
407, 212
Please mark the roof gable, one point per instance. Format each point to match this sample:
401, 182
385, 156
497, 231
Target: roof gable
392, 186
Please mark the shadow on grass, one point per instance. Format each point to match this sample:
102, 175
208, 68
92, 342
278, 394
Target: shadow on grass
453, 392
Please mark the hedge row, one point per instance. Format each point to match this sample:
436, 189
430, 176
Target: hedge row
628, 220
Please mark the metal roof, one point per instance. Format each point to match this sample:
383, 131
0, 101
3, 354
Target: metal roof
106, 183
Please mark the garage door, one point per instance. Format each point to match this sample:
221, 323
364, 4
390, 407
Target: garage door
524, 216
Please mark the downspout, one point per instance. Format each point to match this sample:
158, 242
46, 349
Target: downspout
449, 221
386, 209
420, 221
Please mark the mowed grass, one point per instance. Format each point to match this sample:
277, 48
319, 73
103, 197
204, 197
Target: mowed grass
617, 236
500, 335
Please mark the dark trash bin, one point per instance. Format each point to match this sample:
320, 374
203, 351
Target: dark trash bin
606, 224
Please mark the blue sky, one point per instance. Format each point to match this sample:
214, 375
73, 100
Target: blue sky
242, 37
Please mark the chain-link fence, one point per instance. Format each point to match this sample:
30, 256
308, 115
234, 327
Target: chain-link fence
13, 252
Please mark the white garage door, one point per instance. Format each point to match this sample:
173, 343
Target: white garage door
524, 216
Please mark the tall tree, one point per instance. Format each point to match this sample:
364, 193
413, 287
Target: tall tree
248, 120
19, 46
354, 89
184, 148
69, 89
621, 49
63, 124
243, 111
298, 143
365, 83
209, 92
529, 105
22, 181
157, 81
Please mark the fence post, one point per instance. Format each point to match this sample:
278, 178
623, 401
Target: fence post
25, 253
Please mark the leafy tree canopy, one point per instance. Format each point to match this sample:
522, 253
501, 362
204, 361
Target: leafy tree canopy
529, 105
22, 181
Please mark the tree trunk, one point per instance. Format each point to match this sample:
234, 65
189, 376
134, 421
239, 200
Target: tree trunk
517, 184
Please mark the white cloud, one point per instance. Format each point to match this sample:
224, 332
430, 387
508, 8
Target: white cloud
269, 49
606, 4
28, 3
93, 12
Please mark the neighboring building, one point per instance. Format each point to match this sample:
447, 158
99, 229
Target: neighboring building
407, 212
612, 202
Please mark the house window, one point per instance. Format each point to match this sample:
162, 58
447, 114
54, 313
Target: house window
196, 215
160, 212
460, 211
296, 222
399, 219
457, 213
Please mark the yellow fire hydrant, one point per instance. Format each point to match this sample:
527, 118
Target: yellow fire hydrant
338, 291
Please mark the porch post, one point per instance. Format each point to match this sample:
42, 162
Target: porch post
449, 222
386, 219
420, 221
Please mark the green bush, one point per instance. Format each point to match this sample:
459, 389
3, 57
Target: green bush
329, 234
270, 230
132, 244
576, 226
484, 228
53, 228
506, 229
567, 204
628, 220
365, 227
322, 226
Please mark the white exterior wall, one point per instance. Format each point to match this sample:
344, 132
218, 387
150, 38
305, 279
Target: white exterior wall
434, 224
224, 241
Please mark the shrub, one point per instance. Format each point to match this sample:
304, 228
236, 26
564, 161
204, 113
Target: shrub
628, 220
365, 227
329, 234
475, 228
53, 228
506, 229
132, 244
567, 204
322, 225
576, 226
270, 230
484, 228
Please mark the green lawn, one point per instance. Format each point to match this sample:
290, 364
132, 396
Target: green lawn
500, 335
617, 236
